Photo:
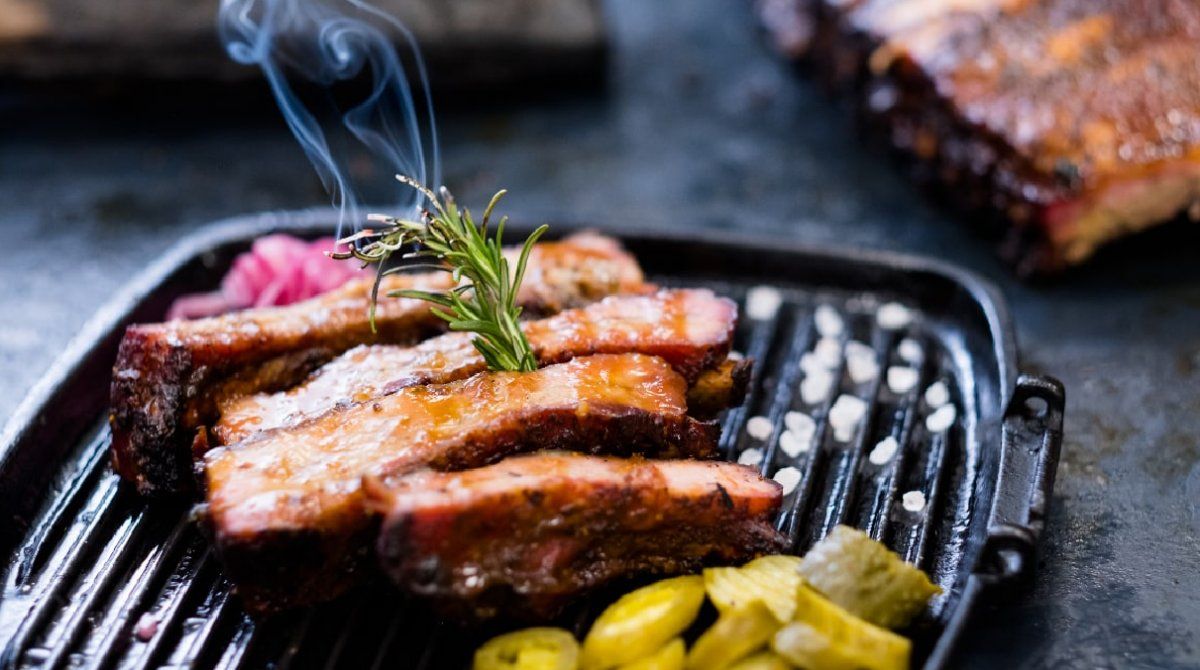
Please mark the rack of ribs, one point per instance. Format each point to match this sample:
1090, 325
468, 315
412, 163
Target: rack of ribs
1077, 122
529, 534
286, 508
170, 378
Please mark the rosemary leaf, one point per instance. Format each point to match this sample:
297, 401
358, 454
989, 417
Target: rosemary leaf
484, 299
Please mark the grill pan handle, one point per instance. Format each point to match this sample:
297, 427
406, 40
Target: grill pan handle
1031, 440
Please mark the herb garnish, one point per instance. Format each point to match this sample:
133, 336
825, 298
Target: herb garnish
484, 299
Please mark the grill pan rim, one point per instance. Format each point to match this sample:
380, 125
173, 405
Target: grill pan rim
110, 319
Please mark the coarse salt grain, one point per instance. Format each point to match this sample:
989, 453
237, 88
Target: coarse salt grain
794, 444
810, 364
937, 395
799, 423
860, 362
941, 419
884, 451
816, 386
901, 380
760, 428
788, 478
893, 316
847, 408
845, 415
751, 456
913, 501
910, 351
828, 322
762, 302
828, 352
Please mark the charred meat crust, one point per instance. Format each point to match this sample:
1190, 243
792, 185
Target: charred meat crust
165, 384
279, 519
539, 539
1067, 123
691, 329
719, 388
284, 568
169, 376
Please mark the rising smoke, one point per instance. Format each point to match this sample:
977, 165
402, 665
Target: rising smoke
342, 86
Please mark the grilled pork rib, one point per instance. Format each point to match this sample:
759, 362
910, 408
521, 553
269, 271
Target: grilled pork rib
169, 377
1077, 120
286, 508
691, 329
530, 533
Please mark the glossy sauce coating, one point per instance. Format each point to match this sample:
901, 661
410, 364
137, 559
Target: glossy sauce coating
168, 377
530, 533
1102, 89
309, 477
690, 329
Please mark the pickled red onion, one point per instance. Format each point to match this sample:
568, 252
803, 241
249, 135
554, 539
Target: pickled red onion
278, 270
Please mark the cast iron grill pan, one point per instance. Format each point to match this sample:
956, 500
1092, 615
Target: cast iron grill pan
99, 578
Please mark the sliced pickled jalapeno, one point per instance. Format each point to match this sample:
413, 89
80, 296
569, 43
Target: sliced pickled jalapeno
529, 649
642, 621
866, 578
828, 637
770, 579
737, 633
670, 657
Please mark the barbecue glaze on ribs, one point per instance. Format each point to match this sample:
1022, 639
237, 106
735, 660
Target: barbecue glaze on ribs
286, 509
1078, 121
691, 329
528, 534
170, 377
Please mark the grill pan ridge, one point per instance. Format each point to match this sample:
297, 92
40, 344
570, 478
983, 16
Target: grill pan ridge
98, 578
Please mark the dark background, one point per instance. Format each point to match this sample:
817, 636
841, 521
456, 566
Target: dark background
698, 126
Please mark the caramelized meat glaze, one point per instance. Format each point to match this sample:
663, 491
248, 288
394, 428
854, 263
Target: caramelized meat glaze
170, 378
286, 508
1077, 121
691, 329
527, 535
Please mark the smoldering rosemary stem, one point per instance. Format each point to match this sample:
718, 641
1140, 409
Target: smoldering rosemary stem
484, 298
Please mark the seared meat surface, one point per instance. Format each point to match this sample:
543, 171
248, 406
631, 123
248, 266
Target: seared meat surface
1078, 121
691, 329
530, 533
286, 508
169, 378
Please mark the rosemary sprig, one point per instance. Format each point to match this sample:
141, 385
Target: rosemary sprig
484, 299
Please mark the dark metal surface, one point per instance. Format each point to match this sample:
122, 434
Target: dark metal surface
701, 128
101, 578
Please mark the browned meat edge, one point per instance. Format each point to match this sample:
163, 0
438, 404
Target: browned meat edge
691, 329
528, 535
167, 376
287, 557
278, 570
975, 169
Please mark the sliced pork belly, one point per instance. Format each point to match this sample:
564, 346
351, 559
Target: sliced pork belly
169, 377
530, 533
286, 509
691, 329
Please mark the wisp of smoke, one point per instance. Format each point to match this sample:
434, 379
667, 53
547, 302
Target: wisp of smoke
317, 44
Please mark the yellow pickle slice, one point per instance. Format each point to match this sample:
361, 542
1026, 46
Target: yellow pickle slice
642, 622
529, 649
